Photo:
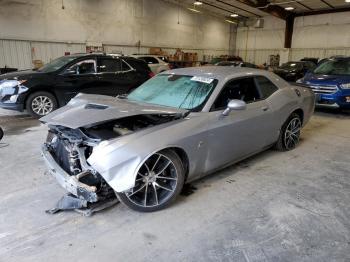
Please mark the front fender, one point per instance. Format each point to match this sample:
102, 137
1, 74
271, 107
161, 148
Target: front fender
118, 167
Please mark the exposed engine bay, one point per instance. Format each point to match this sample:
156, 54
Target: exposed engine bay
127, 125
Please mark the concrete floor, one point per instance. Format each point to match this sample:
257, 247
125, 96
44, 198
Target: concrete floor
291, 206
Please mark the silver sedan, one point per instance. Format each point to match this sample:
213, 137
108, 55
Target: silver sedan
177, 127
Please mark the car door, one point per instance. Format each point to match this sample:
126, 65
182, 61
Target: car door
80, 77
113, 76
241, 133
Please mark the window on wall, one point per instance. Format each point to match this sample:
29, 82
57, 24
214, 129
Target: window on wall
266, 87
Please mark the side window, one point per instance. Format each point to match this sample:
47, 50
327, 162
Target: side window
125, 66
138, 64
150, 60
266, 87
109, 65
83, 67
241, 89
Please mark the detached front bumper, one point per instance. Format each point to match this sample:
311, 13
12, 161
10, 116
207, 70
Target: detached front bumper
68, 182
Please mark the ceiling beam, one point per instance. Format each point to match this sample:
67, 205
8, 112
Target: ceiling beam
304, 5
266, 7
239, 8
321, 12
220, 8
326, 3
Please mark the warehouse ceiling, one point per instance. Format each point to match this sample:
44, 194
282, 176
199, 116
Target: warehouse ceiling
259, 8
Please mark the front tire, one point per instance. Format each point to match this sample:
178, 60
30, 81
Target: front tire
41, 103
158, 182
289, 134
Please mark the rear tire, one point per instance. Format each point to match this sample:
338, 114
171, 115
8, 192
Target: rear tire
289, 134
41, 103
158, 182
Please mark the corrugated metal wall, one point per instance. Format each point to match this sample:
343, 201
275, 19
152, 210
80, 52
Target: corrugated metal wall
20, 54
298, 53
15, 54
260, 56
48, 51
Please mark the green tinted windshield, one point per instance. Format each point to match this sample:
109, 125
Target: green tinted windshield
333, 67
56, 64
188, 92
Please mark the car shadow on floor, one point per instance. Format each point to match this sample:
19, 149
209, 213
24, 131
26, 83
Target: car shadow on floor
226, 173
17, 124
338, 113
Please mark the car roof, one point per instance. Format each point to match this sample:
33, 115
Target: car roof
219, 72
98, 54
141, 55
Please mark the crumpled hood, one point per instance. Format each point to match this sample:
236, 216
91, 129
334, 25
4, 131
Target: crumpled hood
89, 110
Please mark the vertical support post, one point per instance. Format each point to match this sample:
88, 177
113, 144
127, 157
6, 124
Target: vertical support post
288, 33
232, 39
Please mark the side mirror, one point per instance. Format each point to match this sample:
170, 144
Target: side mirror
234, 104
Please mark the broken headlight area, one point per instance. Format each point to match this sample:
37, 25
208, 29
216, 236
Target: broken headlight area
65, 153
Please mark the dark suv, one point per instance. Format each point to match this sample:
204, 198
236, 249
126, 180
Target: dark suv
52, 86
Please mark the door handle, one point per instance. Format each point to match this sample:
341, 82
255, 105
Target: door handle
265, 108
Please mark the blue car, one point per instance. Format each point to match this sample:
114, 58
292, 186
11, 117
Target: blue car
330, 82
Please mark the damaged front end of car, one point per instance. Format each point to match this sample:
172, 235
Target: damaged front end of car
81, 162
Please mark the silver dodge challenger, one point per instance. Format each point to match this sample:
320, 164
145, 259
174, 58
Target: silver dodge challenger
177, 127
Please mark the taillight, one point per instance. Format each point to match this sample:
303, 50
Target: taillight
151, 74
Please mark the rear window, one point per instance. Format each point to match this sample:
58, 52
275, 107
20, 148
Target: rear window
138, 64
266, 87
149, 60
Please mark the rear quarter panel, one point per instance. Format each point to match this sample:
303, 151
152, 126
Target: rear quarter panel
289, 99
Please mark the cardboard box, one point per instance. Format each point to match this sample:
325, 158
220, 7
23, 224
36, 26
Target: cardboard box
155, 51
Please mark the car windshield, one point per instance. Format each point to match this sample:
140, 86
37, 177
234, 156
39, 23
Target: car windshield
291, 66
56, 64
333, 67
179, 91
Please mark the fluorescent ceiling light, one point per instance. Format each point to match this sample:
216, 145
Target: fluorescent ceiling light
289, 8
347, 1
236, 15
194, 10
230, 21
197, 3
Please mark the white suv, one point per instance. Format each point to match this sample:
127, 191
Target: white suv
156, 63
